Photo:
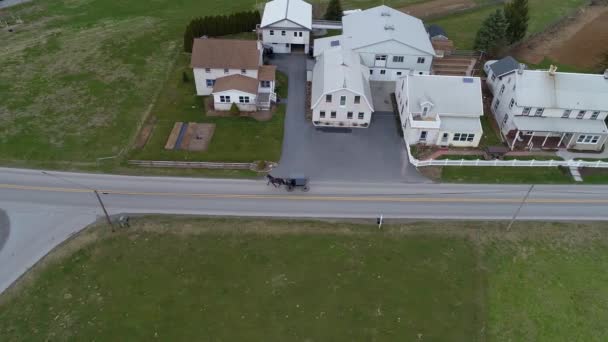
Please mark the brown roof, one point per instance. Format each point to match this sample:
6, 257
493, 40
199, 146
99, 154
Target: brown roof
267, 72
236, 82
225, 53
445, 45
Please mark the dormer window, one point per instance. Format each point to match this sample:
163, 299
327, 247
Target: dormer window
425, 111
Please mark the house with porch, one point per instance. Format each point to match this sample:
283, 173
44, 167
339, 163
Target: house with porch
231, 70
286, 26
390, 43
546, 109
440, 110
341, 94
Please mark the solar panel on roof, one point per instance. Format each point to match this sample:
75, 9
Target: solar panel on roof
335, 43
468, 80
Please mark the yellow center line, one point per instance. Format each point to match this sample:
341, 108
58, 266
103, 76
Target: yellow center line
313, 197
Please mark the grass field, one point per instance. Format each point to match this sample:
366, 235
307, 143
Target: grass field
236, 139
462, 28
221, 279
505, 175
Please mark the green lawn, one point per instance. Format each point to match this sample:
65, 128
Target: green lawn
462, 28
506, 174
281, 87
247, 280
236, 139
490, 136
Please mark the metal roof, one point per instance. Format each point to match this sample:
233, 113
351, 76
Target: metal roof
540, 88
449, 95
338, 68
296, 11
461, 124
552, 124
504, 66
382, 23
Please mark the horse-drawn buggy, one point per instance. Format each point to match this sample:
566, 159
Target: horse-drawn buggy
294, 181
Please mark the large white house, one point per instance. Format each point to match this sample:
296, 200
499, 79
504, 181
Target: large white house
341, 95
231, 70
391, 43
440, 110
549, 109
286, 25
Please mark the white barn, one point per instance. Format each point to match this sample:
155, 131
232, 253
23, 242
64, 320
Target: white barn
341, 94
286, 26
440, 110
391, 43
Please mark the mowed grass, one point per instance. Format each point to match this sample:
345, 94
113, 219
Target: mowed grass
248, 280
462, 28
505, 175
236, 139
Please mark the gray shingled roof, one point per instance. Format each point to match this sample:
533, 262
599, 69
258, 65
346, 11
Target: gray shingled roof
504, 66
435, 30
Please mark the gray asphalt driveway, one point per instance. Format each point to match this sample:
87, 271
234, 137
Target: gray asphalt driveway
374, 154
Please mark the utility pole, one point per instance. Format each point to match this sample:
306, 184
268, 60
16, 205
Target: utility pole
523, 201
379, 221
104, 209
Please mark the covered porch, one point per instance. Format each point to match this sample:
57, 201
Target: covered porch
265, 100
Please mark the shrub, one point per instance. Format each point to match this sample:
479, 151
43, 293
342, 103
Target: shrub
234, 109
261, 165
185, 77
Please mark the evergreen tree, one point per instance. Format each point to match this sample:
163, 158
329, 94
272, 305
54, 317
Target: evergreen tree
492, 33
517, 16
334, 10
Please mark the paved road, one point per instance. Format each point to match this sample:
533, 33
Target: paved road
374, 154
45, 209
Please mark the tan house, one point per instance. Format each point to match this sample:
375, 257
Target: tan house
231, 71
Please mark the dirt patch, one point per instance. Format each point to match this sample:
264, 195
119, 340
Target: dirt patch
437, 7
145, 133
432, 172
578, 41
198, 136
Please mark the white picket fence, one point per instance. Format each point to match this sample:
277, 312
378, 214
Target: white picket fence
513, 163
193, 165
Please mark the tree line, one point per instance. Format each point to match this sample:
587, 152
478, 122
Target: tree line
503, 27
220, 25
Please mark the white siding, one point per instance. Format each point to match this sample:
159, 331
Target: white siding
278, 42
392, 49
342, 111
234, 98
201, 76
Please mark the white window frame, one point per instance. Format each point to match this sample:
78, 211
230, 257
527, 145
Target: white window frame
496, 104
595, 115
381, 57
226, 71
511, 103
322, 114
539, 111
502, 89
342, 100
265, 84
349, 115
208, 70
243, 99
271, 32
333, 114
210, 83
421, 60
328, 98
357, 99
225, 98
361, 116
588, 139
243, 71
299, 34
283, 33
463, 137
581, 114
566, 113
526, 111
398, 59
382, 72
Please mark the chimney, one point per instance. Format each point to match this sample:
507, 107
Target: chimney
520, 69
389, 27
552, 70
606, 74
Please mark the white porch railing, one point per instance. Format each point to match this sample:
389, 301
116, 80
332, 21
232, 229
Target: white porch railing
513, 163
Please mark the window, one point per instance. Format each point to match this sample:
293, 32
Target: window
382, 72
511, 103
357, 99
493, 77
526, 111
566, 113
506, 118
282, 33
295, 34
496, 104
349, 115
226, 71
328, 98
243, 71
587, 139
463, 137
265, 84
207, 70
371, 72
333, 115
361, 116
272, 32
322, 114
224, 98
539, 112
381, 57
300, 34
581, 114
342, 101
420, 60
398, 59
210, 83
243, 99
502, 89
398, 73
423, 135
595, 115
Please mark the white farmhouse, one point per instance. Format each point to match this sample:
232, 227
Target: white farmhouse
233, 77
440, 110
341, 95
501, 70
551, 110
286, 25
391, 43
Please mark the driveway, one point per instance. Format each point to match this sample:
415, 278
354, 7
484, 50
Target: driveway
374, 154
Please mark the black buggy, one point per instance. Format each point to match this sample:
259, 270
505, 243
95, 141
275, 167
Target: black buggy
294, 181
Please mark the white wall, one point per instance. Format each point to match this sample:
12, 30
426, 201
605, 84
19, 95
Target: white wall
201, 77
391, 49
234, 98
342, 111
278, 42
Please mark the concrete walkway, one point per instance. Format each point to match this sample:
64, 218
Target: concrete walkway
567, 155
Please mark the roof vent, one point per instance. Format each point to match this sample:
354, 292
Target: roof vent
520, 69
552, 70
468, 80
606, 74
385, 14
389, 27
